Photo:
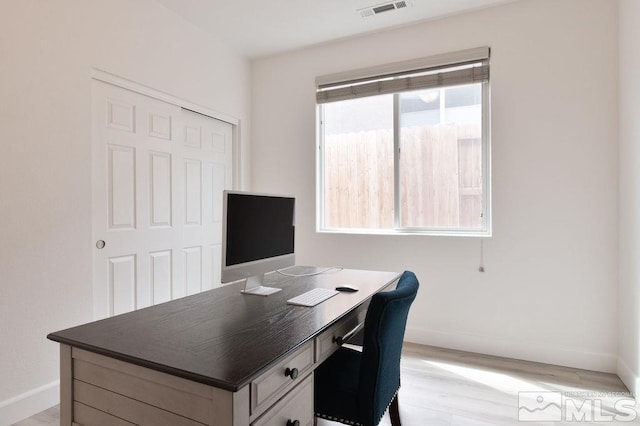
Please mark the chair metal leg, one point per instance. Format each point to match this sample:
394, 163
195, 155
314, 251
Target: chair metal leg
394, 412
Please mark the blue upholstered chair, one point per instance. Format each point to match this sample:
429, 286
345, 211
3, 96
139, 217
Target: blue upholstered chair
355, 387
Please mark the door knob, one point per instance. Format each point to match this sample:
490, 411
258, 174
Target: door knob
100, 244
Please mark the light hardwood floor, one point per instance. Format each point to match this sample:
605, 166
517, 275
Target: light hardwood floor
446, 387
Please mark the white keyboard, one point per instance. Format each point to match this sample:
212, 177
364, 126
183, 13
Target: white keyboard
312, 297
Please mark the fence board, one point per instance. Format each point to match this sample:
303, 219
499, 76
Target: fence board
440, 178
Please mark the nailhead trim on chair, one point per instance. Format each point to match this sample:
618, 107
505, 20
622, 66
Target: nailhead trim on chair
389, 404
336, 419
349, 422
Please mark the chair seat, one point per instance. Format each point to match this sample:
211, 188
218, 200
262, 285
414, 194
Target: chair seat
336, 384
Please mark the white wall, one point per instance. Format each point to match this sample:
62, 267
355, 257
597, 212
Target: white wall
629, 285
47, 51
549, 290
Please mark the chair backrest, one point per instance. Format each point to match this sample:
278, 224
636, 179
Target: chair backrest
384, 328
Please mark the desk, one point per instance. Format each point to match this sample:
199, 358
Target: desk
215, 358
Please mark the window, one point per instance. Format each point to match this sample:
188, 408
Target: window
406, 150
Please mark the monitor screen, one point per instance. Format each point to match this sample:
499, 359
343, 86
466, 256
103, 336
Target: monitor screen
258, 232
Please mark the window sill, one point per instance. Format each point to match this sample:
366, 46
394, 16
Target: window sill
422, 232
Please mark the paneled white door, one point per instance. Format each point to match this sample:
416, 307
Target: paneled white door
158, 176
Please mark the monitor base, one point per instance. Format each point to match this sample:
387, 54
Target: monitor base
253, 285
261, 291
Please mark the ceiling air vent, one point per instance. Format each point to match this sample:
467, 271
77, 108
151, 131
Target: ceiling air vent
381, 8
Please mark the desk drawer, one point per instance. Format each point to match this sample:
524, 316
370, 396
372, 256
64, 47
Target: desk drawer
272, 385
296, 405
329, 340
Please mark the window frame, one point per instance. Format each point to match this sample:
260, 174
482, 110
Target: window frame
485, 229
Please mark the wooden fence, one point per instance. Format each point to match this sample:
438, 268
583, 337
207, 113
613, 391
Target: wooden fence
440, 178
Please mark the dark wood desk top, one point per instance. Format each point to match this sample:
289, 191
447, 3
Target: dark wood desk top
220, 337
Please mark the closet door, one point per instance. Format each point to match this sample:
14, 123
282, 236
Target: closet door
158, 176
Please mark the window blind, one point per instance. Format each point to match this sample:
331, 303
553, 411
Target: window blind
471, 66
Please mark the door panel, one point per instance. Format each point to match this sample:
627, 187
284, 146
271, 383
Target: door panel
161, 276
122, 283
158, 176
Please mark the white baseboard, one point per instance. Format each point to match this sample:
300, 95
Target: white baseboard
29, 403
547, 354
628, 377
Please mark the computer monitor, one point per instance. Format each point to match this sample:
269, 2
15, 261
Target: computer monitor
257, 237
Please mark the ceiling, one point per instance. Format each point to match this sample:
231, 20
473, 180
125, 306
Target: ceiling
264, 27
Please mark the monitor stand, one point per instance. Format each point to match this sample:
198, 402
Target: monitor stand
253, 285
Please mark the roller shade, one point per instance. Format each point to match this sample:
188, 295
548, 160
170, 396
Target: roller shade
426, 73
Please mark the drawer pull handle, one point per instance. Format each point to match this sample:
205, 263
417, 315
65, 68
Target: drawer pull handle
293, 422
293, 373
342, 339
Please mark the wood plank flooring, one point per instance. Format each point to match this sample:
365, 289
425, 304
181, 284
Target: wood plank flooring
446, 387
442, 387
48, 417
